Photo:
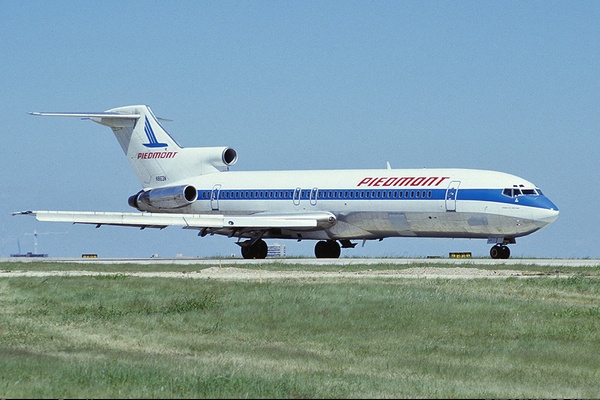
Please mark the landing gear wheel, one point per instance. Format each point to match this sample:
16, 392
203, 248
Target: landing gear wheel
321, 249
327, 249
247, 252
258, 250
500, 251
505, 252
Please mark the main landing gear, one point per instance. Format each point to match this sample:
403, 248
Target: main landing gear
258, 249
323, 249
327, 249
500, 251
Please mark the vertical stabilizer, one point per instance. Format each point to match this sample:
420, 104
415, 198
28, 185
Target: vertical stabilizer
150, 150
156, 158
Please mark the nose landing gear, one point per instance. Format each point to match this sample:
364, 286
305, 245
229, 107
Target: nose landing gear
500, 251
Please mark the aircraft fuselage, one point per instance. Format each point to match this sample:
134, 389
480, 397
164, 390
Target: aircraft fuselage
373, 204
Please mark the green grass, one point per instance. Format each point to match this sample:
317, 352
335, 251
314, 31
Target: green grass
128, 337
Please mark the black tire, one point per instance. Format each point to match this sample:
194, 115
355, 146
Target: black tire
504, 252
495, 251
500, 252
327, 249
321, 249
333, 249
258, 250
247, 252
261, 249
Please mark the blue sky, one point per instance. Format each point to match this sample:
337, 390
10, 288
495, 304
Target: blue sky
511, 86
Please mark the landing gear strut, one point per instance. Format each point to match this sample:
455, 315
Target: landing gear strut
500, 251
327, 249
257, 250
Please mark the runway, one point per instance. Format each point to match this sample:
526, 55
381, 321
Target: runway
465, 262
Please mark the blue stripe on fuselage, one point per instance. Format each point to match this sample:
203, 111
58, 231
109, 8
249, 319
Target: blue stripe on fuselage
490, 195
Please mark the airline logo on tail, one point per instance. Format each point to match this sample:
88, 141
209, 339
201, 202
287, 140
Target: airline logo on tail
151, 137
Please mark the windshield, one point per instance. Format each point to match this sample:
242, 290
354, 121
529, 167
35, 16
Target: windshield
519, 190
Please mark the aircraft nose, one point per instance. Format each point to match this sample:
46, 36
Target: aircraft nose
548, 215
547, 212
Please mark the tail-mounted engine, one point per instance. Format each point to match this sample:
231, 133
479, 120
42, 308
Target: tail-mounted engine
207, 158
164, 198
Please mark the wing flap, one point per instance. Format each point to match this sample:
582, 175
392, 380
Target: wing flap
190, 221
315, 220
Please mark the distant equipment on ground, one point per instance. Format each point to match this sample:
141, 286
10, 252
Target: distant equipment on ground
29, 254
35, 253
276, 250
460, 255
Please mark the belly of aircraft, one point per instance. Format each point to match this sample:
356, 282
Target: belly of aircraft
373, 225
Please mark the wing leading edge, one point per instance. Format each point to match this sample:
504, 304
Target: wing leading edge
260, 221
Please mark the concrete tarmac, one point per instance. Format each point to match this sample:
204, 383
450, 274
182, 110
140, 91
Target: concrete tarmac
465, 262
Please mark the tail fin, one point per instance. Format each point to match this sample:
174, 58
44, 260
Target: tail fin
156, 158
148, 147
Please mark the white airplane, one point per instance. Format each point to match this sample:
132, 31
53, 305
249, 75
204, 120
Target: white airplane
193, 188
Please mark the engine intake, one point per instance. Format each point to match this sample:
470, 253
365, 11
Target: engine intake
229, 156
164, 198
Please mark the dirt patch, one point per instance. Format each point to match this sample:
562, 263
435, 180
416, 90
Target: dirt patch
232, 273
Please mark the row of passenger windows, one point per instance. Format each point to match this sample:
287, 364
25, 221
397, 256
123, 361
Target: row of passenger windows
318, 194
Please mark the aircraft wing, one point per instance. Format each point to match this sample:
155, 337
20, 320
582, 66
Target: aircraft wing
259, 221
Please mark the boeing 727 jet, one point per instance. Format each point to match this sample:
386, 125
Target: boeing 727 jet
194, 188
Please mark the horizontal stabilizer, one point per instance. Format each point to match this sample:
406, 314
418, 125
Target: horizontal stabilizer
86, 115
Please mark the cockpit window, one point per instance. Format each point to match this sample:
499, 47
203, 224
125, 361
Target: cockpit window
520, 191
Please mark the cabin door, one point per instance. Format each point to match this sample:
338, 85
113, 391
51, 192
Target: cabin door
297, 196
451, 194
214, 197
